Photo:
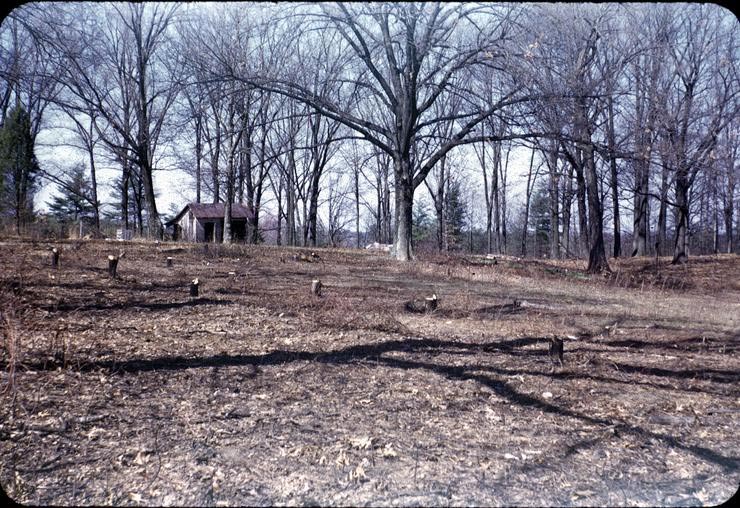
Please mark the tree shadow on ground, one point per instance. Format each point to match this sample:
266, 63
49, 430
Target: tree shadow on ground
372, 355
728, 343
154, 306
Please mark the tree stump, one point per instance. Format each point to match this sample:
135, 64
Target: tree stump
556, 350
112, 266
316, 257
430, 303
194, 284
55, 258
169, 262
316, 287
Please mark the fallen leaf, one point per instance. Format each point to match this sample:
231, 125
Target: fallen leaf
341, 459
141, 458
582, 493
362, 443
388, 451
357, 473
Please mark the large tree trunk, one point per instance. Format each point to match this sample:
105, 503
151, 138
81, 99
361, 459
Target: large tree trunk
198, 178
489, 204
154, 224
215, 172
290, 204
614, 178
125, 177
279, 239
640, 220
313, 209
227, 234
528, 197
357, 206
404, 209
643, 145
554, 190
495, 196
387, 232
597, 261
502, 188
680, 254
379, 215
662, 233
567, 206
227, 237
93, 175
583, 240
439, 206
728, 215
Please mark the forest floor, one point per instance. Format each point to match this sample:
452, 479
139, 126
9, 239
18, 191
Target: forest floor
127, 391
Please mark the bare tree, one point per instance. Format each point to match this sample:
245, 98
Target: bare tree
112, 54
404, 59
702, 101
728, 171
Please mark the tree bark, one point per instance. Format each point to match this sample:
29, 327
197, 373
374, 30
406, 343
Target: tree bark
125, 177
554, 188
662, 233
597, 261
614, 177
528, 197
93, 176
583, 240
404, 210
567, 207
316, 287
680, 248
112, 266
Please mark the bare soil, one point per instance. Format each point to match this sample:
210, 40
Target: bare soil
128, 391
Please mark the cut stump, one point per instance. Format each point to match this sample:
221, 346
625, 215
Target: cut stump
316, 287
556, 350
112, 266
430, 303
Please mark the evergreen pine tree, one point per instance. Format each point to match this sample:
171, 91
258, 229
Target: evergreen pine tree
18, 167
540, 219
422, 222
455, 215
75, 200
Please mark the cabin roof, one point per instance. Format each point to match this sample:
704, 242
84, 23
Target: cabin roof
212, 211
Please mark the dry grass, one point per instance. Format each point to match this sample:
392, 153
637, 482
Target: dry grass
260, 393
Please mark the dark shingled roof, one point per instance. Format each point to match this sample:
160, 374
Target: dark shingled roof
213, 211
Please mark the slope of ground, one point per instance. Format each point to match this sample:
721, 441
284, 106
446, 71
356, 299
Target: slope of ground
128, 391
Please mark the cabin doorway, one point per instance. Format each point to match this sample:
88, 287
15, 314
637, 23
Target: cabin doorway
208, 232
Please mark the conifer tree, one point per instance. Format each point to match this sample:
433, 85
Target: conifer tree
76, 199
19, 168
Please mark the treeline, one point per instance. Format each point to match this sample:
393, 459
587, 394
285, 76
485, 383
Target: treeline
330, 121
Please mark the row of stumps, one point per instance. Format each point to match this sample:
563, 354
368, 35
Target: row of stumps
428, 305
113, 268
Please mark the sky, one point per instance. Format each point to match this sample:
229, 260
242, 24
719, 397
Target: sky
176, 188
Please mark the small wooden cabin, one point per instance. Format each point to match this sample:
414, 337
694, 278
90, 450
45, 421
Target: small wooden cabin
204, 222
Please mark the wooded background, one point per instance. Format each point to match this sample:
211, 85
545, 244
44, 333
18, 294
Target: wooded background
326, 118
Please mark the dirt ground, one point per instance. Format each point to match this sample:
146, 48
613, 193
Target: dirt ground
127, 391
